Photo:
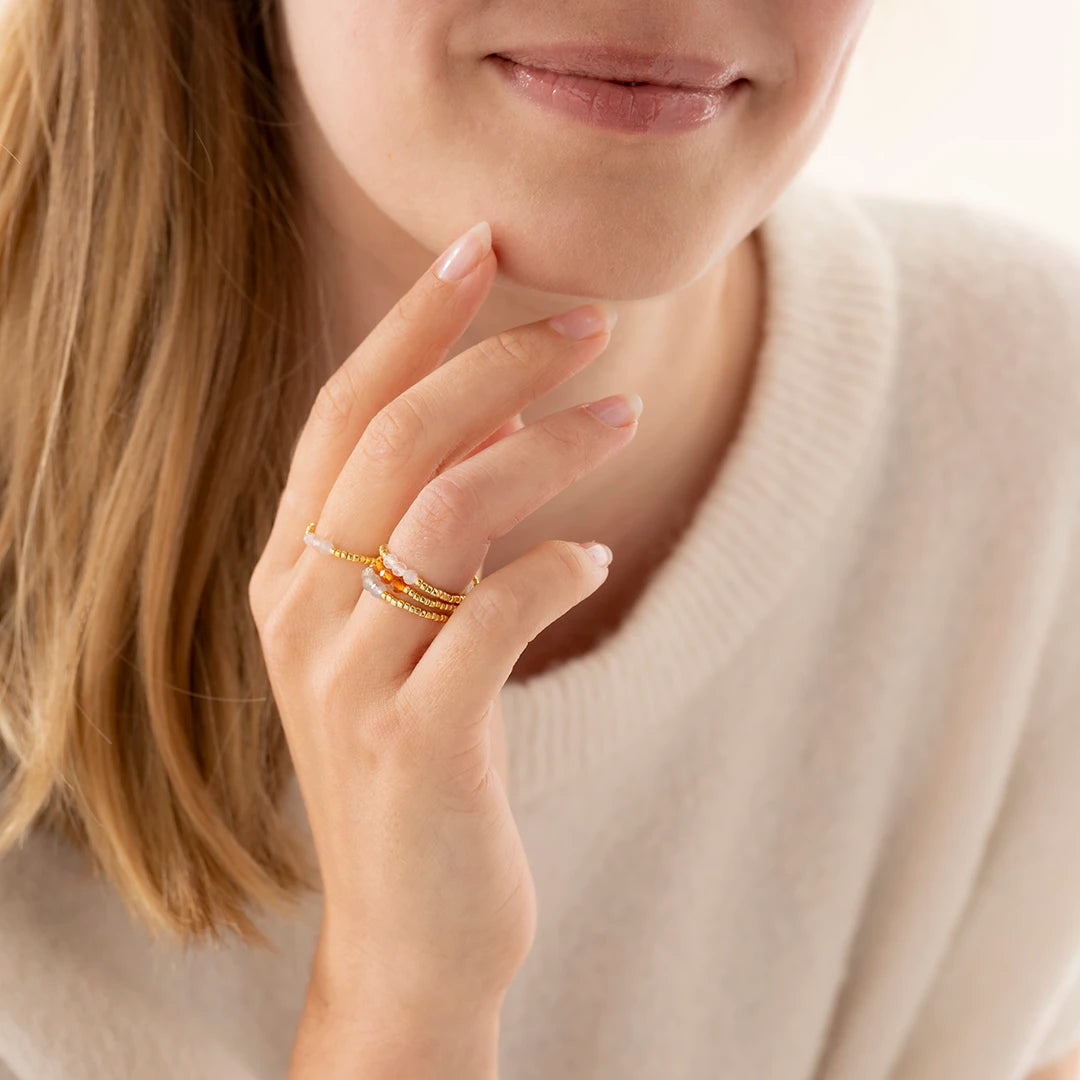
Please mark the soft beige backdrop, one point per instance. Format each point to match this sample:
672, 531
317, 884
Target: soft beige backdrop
977, 100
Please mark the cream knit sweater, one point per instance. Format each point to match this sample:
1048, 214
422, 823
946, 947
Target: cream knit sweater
812, 811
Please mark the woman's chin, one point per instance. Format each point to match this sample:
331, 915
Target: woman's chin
613, 272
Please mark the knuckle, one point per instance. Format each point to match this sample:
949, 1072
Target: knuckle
278, 634
335, 680
402, 723
364, 725
395, 430
506, 343
572, 436
283, 628
255, 594
572, 559
447, 504
411, 309
495, 609
336, 398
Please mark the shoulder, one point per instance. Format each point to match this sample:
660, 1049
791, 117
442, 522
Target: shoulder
983, 279
87, 992
989, 404
976, 260
74, 997
988, 339
980, 309
986, 449
49, 976
996, 295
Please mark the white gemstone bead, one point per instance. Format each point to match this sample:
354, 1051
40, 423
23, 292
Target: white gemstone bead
468, 588
410, 576
371, 581
323, 545
310, 539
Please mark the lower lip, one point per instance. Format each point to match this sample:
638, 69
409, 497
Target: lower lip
644, 108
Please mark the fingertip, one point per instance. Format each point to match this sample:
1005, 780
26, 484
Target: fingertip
465, 254
599, 553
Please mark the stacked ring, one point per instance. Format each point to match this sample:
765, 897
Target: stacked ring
385, 575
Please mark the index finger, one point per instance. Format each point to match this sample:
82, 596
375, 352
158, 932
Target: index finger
411, 340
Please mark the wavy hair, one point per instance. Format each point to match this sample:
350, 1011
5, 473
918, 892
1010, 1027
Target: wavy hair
154, 381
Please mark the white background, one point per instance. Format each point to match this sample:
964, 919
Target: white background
977, 100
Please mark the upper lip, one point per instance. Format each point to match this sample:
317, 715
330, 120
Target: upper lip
625, 64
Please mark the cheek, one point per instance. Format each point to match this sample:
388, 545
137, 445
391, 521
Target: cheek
822, 35
818, 39
363, 66
812, 42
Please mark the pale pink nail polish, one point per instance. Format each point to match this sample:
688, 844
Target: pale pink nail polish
600, 553
618, 410
465, 254
584, 321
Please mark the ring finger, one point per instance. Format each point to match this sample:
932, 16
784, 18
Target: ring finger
446, 532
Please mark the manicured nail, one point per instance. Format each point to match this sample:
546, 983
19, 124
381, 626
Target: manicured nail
617, 410
465, 254
584, 321
599, 553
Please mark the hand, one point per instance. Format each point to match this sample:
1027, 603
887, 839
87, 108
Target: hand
392, 720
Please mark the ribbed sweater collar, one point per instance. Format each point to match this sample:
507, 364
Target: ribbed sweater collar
820, 382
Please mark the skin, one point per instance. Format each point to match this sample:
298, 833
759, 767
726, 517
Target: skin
660, 227
404, 140
1068, 1068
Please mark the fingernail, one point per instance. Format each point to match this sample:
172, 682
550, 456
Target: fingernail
465, 254
617, 410
599, 553
582, 322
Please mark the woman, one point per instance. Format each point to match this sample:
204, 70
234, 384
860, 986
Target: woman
327, 754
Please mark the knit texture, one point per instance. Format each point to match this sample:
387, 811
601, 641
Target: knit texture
811, 811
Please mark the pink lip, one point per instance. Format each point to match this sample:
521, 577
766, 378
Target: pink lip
674, 93
623, 64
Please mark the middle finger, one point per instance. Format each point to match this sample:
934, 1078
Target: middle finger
438, 419
448, 529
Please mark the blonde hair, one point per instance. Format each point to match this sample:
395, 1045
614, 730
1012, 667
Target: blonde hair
153, 382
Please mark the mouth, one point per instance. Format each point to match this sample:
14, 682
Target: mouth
631, 92
623, 66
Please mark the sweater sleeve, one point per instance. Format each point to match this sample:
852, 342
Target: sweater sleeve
1051, 760
1064, 1033
1055, 746
1041, 820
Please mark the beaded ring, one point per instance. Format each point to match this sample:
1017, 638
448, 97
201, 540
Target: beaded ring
385, 574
